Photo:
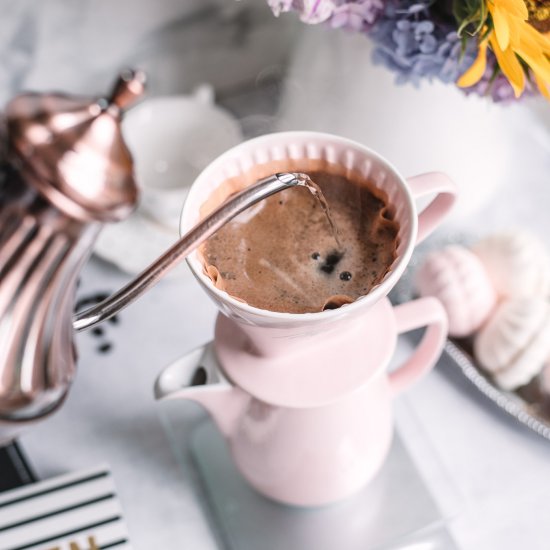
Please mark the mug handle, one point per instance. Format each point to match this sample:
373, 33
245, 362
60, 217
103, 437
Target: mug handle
437, 209
416, 314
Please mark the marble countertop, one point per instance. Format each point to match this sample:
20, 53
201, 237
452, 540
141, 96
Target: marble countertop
499, 157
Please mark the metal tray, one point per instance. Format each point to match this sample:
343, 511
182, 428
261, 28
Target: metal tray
525, 404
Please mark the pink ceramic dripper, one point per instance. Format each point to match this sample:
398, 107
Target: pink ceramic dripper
304, 400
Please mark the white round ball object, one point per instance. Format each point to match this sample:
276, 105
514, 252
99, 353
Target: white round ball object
458, 279
515, 342
517, 262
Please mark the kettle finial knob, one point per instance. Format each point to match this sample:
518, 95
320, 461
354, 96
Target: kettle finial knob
129, 87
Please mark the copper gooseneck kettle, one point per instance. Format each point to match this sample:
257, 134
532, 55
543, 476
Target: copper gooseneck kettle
64, 172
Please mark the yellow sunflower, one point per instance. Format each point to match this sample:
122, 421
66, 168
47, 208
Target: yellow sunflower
512, 39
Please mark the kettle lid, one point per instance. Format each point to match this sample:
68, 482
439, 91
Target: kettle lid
72, 151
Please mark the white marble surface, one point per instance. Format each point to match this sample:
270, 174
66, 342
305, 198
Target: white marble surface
500, 471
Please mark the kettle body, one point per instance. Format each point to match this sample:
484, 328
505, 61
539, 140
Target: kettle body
41, 253
64, 171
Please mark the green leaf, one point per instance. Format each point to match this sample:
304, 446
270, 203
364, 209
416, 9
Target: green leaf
471, 16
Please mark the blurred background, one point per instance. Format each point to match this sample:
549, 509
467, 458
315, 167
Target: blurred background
276, 74
234, 71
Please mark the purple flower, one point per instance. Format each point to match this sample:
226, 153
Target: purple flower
356, 16
311, 11
415, 45
501, 90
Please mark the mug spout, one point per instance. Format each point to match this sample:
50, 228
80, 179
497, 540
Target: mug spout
197, 377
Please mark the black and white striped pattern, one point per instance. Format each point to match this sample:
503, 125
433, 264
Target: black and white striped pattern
68, 509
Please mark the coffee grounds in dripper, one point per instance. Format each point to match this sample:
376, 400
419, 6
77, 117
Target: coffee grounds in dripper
281, 254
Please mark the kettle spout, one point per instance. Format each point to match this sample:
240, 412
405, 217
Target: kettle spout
197, 377
188, 242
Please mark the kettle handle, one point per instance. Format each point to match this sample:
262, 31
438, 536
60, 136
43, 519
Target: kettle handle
424, 312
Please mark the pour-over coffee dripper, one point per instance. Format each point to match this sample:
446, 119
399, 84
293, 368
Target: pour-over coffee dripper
304, 399
65, 172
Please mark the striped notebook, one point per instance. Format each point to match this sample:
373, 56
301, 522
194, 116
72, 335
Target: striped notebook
77, 511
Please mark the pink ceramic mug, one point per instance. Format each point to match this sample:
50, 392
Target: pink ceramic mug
307, 414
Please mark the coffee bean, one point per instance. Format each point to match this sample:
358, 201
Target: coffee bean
331, 262
105, 348
333, 258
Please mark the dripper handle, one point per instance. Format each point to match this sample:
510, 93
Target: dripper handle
424, 312
433, 214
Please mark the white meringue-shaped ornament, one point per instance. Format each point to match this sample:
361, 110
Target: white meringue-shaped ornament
515, 342
545, 379
172, 139
517, 262
458, 279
